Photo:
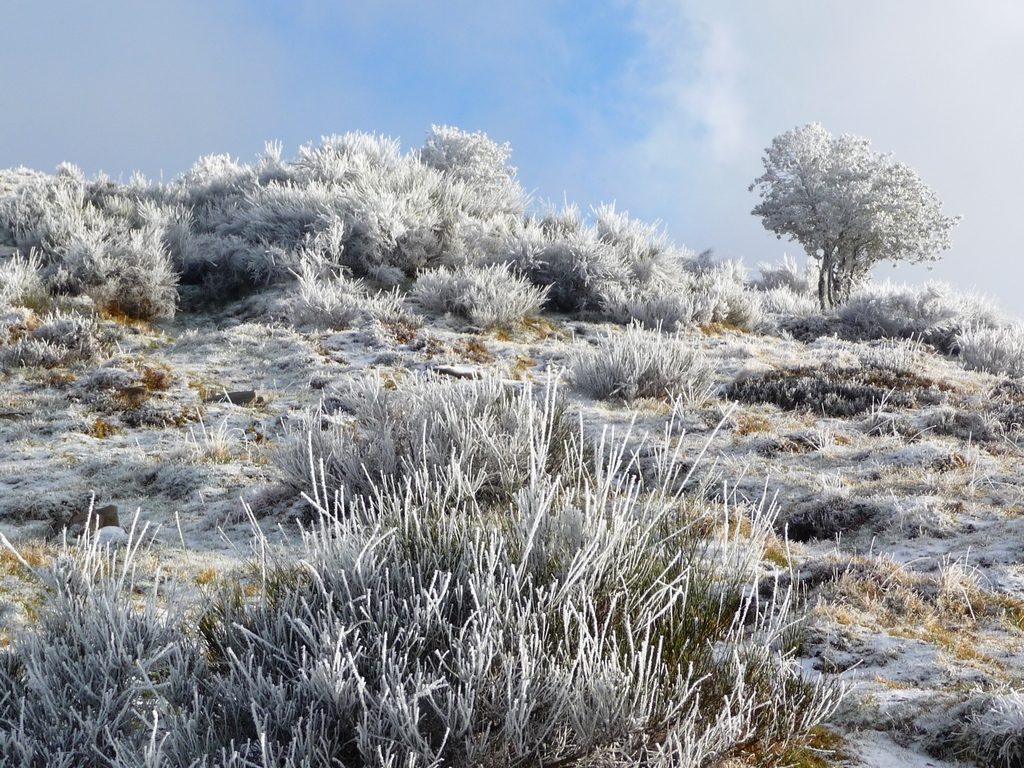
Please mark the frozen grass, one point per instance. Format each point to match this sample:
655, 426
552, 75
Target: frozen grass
475, 437
638, 363
21, 284
488, 297
56, 339
327, 297
934, 313
585, 618
996, 350
996, 732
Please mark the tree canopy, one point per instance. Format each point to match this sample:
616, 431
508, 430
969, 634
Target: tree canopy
848, 206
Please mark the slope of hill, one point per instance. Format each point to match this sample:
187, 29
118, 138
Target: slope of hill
411, 475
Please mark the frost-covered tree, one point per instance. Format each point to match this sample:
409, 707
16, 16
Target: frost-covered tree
848, 206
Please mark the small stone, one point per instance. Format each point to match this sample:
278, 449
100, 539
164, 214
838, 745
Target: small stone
111, 536
102, 517
459, 371
238, 397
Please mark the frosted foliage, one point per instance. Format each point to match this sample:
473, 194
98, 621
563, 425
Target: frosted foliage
996, 350
478, 162
21, 283
933, 312
848, 206
480, 431
581, 618
998, 730
488, 296
638, 363
451, 212
328, 298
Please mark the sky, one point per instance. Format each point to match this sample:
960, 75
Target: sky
662, 106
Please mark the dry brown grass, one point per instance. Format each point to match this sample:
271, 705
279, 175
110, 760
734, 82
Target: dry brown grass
102, 429
473, 350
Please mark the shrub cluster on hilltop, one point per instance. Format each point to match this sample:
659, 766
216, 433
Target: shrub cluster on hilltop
450, 215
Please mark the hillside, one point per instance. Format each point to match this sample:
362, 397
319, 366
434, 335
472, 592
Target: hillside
411, 473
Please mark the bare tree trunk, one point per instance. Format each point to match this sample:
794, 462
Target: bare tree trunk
826, 294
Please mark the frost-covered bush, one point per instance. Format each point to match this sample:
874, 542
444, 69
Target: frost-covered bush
94, 237
43, 211
586, 626
934, 313
474, 436
488, 297
21, 284
135, 277
559, 252
639, 363
331, 299
787, 274
55, 339
585, 618
788, 303
699, 297
995, 350
996, 730
478, 163
723, 297
87, 685
835, 391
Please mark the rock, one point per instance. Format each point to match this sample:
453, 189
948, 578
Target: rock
238, 397
111, 536
459, 371
102, 517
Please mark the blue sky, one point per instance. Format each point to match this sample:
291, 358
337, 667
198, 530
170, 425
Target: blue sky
661, 105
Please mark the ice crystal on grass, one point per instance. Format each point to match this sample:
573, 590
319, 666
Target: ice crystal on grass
639, 363
934, 313
488, 297
995, 350
584, 615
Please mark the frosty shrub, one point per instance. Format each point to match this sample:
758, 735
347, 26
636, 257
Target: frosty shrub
43, 211
995, 350
488, 297
996, 731
835, 391
787, 274
84, 686
722, 296
56, 339
934, 313
587, 617
479, 163
589, 624
228, 266
96, 238
701, 297
639, 363
668, 310
474, 436
21, 284
558, 251
787, 303
135, 277
331, 299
